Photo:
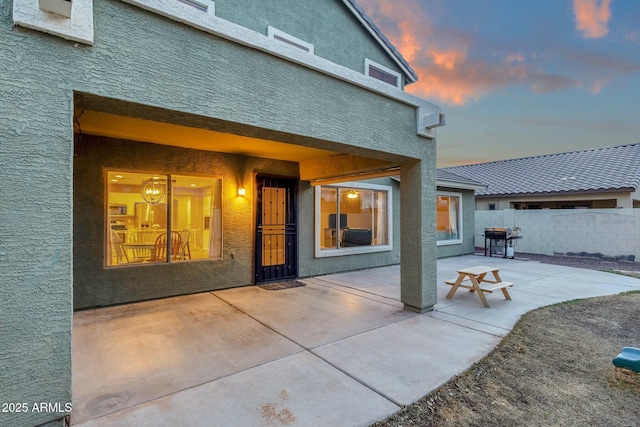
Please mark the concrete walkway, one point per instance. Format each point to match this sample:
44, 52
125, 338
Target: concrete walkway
339, 351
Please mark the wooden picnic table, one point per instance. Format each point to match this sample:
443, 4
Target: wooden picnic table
474, 279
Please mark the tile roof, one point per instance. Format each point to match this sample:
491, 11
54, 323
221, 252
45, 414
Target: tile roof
378, 32
446, 177
601, 169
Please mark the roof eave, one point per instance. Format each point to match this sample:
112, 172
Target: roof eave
361, 15
560, 193
460, 185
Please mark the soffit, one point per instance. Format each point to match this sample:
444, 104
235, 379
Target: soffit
117, 118
136, 129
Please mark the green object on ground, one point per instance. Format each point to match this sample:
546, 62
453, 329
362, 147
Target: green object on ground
628, 358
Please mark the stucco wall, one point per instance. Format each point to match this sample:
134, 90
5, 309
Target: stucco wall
337, 23
611, 233
143, 58
35, 230
468, 226
95, 285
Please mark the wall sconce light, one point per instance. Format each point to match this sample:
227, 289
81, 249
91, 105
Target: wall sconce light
241, 191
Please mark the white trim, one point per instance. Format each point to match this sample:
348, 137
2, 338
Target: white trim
379, 40
281, 36
317, 235
203, 6
78, 28
219, 27
368, 64
460, 232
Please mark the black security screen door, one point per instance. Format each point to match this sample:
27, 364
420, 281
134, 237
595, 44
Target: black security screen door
276, 229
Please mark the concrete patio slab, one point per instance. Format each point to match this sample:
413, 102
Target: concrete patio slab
406, 360
502, 314
564, 288
338, 351
313, 315
375, 281
130, 354
300, 390
469, 323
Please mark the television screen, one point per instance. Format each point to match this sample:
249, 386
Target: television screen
343, 221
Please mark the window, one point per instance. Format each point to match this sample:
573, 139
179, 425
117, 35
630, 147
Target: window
382, 73
353, 218
281, 36
449, 218
155, 218
492, 206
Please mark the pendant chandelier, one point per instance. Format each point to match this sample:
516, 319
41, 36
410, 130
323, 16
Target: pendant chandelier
153, 191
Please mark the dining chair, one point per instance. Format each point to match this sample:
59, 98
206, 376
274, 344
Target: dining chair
144, 237
160, 247
185, 250
118, 249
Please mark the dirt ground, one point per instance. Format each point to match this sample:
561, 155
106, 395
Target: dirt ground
553, 369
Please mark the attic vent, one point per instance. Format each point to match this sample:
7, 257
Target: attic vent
281, 36
382, 73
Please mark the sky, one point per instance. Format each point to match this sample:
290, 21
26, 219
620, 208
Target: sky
520, 78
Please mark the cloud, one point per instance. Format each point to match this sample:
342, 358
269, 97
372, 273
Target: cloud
442, 64
632, 36
454, 67
592, 17
514, 57
440, 57
599, 70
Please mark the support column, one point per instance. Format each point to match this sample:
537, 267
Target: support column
418, 265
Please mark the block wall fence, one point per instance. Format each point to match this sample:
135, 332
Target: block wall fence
602, 233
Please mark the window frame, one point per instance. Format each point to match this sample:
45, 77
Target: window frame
368, 64
460, 238
286, 38
353, 250
169, 195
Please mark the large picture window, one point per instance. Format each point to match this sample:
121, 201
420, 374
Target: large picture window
352, 218
449, 218
154, 218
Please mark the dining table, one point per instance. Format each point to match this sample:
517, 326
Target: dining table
140, 251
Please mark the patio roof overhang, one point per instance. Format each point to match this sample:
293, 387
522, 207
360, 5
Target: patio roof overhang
319, 161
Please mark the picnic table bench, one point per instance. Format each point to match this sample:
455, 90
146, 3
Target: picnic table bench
474, 279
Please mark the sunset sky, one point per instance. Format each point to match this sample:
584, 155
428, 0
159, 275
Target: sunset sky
521, 78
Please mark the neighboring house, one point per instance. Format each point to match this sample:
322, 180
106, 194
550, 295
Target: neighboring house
598, 178
455, 214
153, 148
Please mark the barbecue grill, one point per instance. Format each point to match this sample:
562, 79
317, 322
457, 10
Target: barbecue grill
499, 238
